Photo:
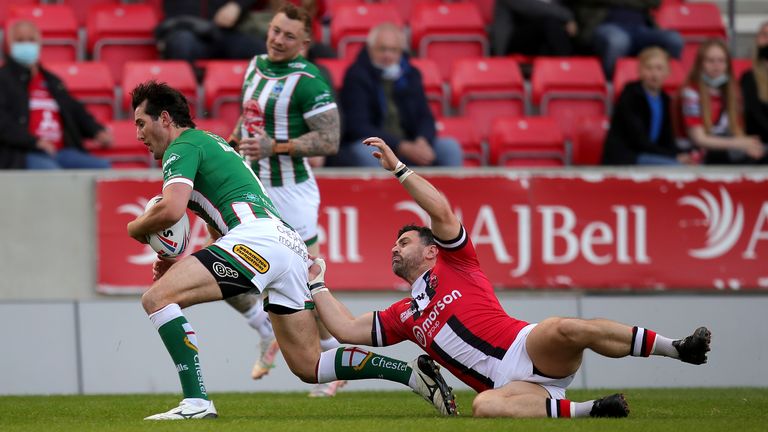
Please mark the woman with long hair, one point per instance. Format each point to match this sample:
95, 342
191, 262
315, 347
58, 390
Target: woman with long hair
754, 88
711, 109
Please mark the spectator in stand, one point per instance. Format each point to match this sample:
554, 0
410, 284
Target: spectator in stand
711, 110
383, 96
532, 27
42, 125
194, 30
641, 130
754, 88
621, 28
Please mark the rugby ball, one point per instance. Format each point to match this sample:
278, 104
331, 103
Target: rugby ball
172, 241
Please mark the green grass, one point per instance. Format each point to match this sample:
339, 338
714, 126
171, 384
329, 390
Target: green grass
678, 410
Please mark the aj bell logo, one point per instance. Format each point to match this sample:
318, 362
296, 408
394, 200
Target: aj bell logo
724, 222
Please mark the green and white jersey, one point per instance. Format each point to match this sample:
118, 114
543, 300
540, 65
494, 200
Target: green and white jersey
285, 95
225, 191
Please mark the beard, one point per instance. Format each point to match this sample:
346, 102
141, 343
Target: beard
404, 266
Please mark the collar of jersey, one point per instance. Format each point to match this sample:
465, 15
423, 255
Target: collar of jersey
419, 291
281, 70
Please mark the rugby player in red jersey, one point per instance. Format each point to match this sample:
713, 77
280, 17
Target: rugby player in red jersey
519, 369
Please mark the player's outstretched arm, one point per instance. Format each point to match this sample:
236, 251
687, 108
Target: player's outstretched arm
334, 314
445, 225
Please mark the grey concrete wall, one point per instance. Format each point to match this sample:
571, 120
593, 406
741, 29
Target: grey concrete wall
109, 346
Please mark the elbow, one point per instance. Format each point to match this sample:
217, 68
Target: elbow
169, 215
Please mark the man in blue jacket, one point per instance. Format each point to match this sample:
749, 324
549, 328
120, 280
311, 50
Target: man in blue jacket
383, 96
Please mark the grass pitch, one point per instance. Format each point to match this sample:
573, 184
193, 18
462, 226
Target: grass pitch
678, 410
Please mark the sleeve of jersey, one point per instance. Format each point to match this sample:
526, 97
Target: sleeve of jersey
180, 164
459, 251
316, 97
385, 330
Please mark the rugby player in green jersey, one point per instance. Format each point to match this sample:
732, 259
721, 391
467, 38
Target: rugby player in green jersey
253, 249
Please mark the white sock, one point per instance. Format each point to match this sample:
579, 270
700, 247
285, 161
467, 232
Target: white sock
329, 344
259, 320
664, 347
326, 366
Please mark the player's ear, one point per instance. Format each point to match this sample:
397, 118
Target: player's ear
430, 252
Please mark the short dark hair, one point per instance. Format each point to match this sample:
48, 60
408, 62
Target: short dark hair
425, 234
162, 97
296, 13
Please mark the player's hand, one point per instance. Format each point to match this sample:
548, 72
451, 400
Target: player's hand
227, 15
135, 233
317, 276
384, 154
161, 266
258, 146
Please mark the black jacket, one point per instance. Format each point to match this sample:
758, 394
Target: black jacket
363, 104
755, 110
630, 126
15, 139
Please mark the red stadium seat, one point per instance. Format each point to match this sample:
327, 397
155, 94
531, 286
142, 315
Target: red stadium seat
433, 84
740, 66
351, 23
588, 140
486, 9
121, 33
446, 32
81, 7
463, 130
222, 87
486, 88
58, 26
216, 126
5, 7
527, 141
176, 73
405, 7
337, 68
565, 88
626, 71
126, 151
695, 22
91, 83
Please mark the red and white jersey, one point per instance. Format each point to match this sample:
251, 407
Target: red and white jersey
454, 315
44, 117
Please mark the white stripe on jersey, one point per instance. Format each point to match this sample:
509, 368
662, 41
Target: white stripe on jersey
465, 353
281, 107
184, 180
211, 210
322, 109
264, 95
378, 331
244, 212
248, 95
453, 244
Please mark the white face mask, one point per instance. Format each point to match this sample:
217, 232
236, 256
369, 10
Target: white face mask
391, 72
714, 82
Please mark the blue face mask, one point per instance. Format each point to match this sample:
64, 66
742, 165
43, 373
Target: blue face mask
26, 53
714, 82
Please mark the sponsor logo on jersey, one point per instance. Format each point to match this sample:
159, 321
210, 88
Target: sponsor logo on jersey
407, 314
223, 271
725, 222
171, 159
258, 262
297, 65
431, 321
276, 90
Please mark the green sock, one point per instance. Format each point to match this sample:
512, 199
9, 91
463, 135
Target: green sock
181, 342
353, 363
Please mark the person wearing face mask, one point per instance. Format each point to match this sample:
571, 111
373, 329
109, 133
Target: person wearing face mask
711, 110
43, 126
754, 88
641, 129
383, 95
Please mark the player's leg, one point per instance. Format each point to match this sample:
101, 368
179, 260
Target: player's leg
556, 345
186, 283
249, 304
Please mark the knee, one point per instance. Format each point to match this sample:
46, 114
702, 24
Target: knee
304, 373
481, 406
152, 302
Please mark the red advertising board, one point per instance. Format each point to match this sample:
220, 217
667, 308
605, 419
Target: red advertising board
588, 230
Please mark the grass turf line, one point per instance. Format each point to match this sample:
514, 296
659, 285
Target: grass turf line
677, 410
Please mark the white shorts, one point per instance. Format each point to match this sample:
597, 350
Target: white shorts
517, 366
298, 205
273, 256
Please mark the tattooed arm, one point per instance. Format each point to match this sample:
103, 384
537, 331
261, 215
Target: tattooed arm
321, 140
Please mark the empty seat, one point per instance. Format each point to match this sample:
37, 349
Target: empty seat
91, 83
433, 84
217, 126
58, 27
527, 141
336, 68
695, 22
351, 23
486, 88
567, 87
405, 7
588, 140
626, 71
223, 87
120, 33
740, 66
176, 73
464, 131
6, 6
81, 8
126, 151
446, 32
